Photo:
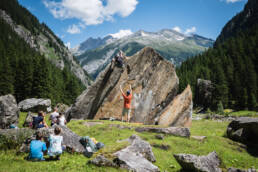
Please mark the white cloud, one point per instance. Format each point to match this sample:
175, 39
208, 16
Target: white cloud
68, 45
190, 30
90, 12
73, 29
177, 29
121, 33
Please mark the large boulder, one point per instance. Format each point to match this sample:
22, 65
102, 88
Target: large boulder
137, 157
154, 83
16, 137
179, 112
13, 138
204, 92
9, 112
209, 163
174, 131
70, 140
244, 129
35, 105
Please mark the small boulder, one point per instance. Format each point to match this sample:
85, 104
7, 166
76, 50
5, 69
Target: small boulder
199, 138
209, 163
204, 93
136, 157
35, 105
159, 136
9, 112
179, 112
244, 129
62, 108
175, 131
240, 170
29, 119
101, 160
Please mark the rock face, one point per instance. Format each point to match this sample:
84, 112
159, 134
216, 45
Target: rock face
154, 83
137, 157
209, 163
244, 130
35, 105
179, 111
175, 131
204, 92
9, 112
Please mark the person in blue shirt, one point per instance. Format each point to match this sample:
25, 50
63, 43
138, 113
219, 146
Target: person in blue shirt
37, 148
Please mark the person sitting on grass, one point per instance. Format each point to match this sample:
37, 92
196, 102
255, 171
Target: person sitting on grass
39, 121
37, 148
55, 141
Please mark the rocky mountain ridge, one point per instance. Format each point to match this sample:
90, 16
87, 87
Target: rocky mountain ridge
172, 45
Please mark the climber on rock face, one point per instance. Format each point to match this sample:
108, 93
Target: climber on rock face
127, 103
119, 59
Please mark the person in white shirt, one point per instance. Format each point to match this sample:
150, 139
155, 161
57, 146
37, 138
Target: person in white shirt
55, 141
61, 120
54, 116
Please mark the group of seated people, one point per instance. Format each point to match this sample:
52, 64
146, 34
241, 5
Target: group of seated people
38, 147
55, 118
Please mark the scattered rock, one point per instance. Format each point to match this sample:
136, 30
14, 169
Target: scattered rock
239, 170
179, 112
204, 92
159, 136
91, 124
35, 105
209, 163
9, 112
243, 129
101, 160
199, 138
162, 146
62, 108
136, 157
29, 119
175, 131
121, 126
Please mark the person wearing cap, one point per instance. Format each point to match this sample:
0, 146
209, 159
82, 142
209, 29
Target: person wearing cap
127, 102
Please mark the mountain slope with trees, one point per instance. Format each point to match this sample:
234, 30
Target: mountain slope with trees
26, 73
232, 65
40, 38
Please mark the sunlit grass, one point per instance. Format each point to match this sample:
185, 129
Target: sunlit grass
232, 153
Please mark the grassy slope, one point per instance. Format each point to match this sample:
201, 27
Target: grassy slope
230, 152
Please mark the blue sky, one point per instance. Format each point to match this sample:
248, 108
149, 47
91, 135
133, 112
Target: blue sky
76, 20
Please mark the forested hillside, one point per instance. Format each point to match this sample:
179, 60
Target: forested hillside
232, 66
25, 73
39, 37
